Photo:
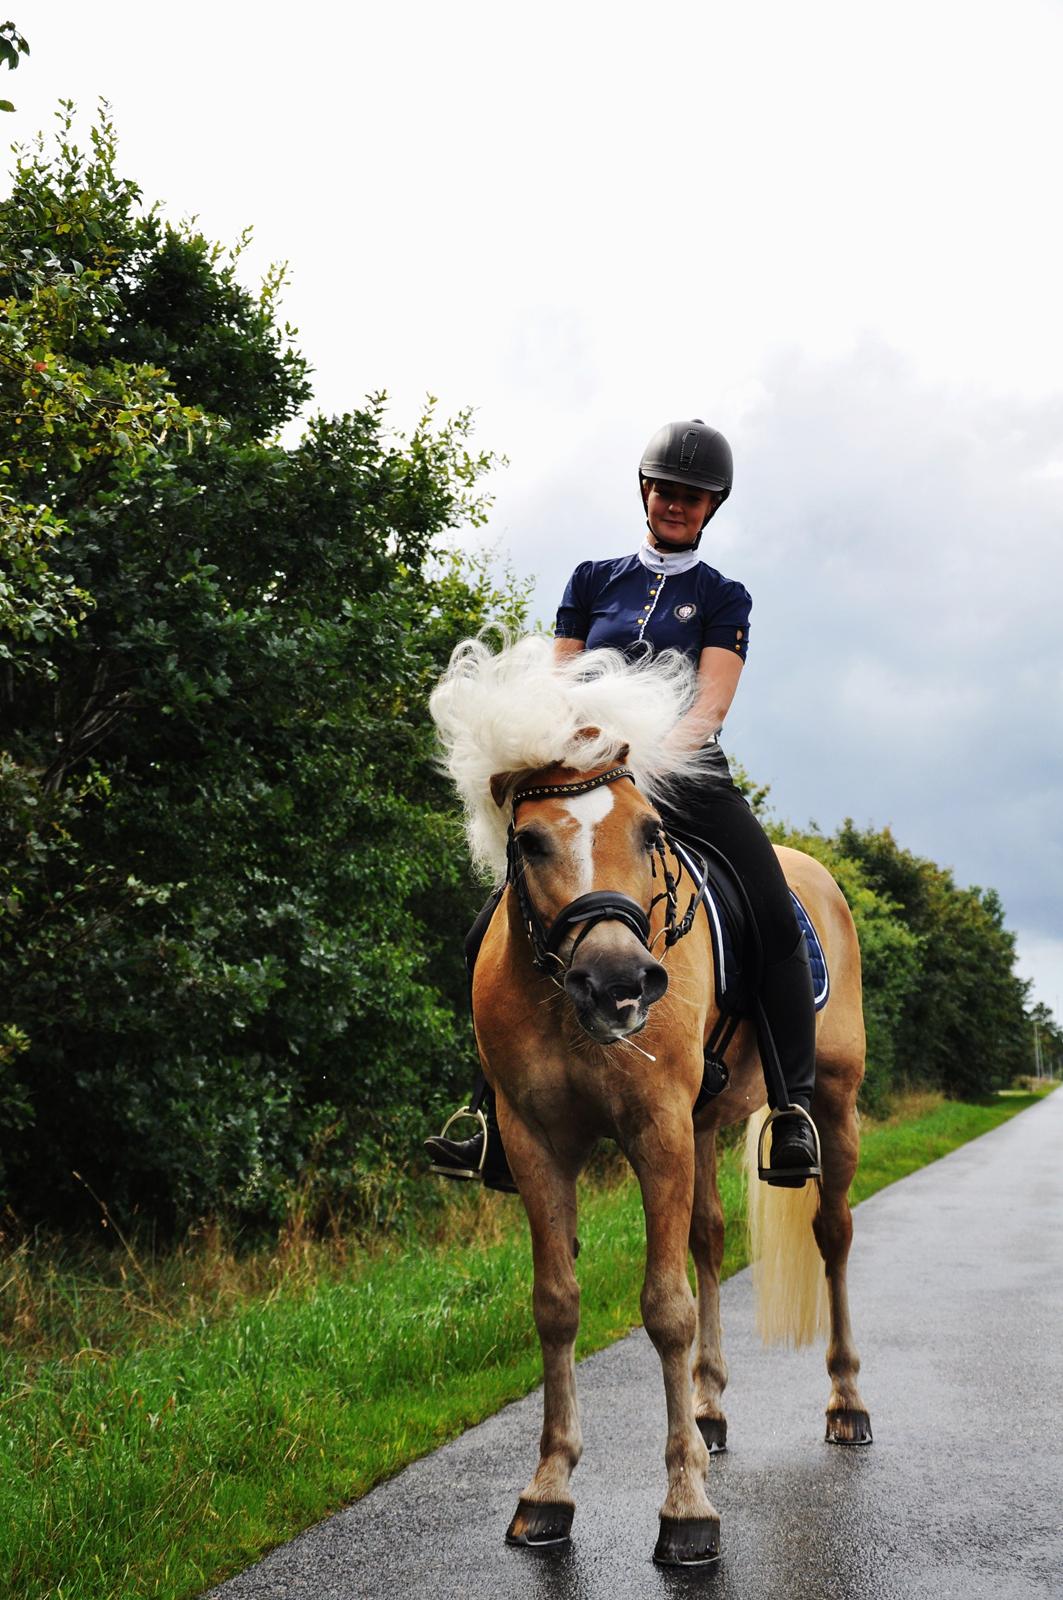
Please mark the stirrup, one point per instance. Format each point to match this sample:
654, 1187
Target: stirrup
783, 1177
467, 1174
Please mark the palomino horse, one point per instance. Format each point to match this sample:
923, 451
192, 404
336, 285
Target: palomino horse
581, 956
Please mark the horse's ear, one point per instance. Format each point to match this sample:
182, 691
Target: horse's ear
596, 733
500, 785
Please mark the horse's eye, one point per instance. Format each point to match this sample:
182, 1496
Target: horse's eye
532, 843
650, 836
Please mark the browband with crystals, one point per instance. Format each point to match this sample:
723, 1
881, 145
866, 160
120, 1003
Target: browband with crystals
546, 790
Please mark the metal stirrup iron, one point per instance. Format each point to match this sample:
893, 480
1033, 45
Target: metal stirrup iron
767, 1173
456, 1172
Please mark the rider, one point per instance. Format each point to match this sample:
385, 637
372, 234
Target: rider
664, 596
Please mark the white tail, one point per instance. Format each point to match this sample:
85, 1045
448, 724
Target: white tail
788, 1275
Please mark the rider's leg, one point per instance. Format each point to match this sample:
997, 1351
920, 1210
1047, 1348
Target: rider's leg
715, 811
467, 1158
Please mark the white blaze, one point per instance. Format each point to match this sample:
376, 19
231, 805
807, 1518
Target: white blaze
587, 810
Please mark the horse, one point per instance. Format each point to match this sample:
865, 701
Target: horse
593, 997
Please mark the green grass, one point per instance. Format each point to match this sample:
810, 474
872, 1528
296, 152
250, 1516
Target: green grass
173, 1458
891, 1150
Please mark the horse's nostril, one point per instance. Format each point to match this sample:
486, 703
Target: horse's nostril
654, 983
579, 986
616, 992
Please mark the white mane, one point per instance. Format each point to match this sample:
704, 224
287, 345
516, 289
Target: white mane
515, 711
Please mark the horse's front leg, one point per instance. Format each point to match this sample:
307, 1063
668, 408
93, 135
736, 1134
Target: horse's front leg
706, 1246
547, 1185
664, 1161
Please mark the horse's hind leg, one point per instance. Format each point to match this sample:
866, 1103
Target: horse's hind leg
664, 1162
545, 1509
835, 1113
706, 1246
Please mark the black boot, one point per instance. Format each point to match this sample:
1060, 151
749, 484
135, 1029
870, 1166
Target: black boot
468, 1159
786, 1033
794, 1151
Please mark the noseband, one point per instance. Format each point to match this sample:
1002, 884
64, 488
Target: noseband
601, 905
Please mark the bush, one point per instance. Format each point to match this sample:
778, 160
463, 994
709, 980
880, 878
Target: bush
230, 875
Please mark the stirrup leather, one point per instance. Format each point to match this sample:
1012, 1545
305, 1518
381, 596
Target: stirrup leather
768, 1173
467, 1173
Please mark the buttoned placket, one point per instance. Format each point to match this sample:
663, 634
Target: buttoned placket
649, 608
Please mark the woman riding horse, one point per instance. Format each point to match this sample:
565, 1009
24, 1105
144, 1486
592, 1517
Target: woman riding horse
664, 597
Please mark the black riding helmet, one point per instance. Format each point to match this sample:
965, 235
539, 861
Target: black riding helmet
688, 452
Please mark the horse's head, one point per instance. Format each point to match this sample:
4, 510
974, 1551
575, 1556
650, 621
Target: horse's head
583, 855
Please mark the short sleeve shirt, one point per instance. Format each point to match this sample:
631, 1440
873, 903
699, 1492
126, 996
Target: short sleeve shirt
623, 605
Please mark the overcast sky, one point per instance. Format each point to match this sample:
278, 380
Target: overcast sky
829, 229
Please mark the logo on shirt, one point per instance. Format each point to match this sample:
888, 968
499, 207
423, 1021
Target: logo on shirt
685, 611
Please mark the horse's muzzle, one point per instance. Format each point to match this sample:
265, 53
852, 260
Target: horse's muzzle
612, 994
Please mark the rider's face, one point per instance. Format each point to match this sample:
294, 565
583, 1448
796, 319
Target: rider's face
676, 511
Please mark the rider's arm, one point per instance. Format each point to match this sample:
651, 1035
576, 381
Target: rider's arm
718, 674
572, 647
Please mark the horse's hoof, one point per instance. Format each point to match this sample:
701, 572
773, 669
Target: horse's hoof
714, 1432
848, 1427
538, 1524
688, 1542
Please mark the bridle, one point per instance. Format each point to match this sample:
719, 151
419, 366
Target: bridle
603, 905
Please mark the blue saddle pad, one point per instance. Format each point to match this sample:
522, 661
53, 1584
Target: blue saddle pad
816, 957
727, 961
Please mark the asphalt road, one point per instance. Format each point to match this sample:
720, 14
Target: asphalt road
957, 1296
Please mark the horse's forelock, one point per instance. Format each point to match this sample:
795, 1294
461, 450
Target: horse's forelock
503, 715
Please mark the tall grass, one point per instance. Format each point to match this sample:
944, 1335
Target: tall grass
165, 1421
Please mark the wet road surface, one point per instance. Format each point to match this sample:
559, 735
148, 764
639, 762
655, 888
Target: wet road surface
957, 1296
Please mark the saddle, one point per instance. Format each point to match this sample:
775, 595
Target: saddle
737, 956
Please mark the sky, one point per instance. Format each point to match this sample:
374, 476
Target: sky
831, 230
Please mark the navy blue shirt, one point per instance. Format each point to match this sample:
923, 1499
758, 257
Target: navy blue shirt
621, 604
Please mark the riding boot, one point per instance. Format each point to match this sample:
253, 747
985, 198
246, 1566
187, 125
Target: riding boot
786, 1034
467, 1158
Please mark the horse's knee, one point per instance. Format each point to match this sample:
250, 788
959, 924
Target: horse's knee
556, 1304
706, 1235
669, 1314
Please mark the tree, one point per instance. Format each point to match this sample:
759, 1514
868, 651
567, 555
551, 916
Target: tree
12, 47
230, 872
1045, 1044
963, 1028
890, 964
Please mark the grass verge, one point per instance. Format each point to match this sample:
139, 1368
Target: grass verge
196, 1440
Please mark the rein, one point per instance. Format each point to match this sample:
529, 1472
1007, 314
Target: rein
602, 905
